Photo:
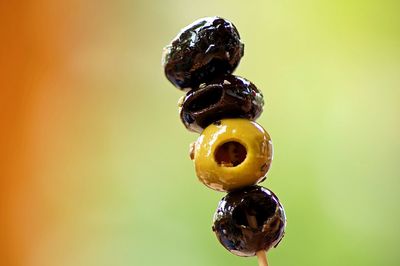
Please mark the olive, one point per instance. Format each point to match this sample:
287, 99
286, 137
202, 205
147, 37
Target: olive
249, 220
205, 49
232, 153
225, 97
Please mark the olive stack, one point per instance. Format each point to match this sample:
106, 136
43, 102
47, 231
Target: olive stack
233, 153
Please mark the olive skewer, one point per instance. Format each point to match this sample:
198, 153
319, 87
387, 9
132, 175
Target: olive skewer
233, 153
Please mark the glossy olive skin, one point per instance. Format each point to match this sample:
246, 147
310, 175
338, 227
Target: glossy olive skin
225, 97
232, 153
249, 220
205, 49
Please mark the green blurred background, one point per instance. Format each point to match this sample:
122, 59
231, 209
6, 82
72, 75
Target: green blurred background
112, 180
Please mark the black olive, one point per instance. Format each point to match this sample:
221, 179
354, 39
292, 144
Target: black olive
203, 50
249, 220
225, 97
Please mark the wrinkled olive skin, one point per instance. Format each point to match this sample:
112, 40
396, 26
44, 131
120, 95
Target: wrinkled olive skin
205, 49
231, 221
225, 97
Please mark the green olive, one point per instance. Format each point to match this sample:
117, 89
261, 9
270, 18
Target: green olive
232, 153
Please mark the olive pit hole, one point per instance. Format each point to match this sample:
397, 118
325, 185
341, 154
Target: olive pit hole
230, 154
206, 98
254, 213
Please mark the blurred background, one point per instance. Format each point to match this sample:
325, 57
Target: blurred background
94, 165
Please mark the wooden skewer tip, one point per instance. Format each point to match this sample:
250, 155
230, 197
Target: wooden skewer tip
261, 254
262, 258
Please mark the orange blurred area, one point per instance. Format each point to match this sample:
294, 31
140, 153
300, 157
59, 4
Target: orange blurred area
33, 44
